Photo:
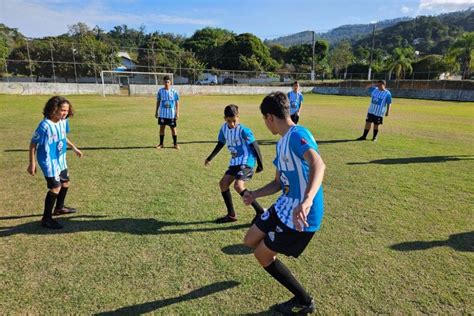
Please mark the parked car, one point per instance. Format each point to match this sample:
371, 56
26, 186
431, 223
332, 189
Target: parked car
229, 81
208, 79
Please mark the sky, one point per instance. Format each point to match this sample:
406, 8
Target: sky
265, 18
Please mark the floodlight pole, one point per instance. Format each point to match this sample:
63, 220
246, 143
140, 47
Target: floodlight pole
371, 53
312, 67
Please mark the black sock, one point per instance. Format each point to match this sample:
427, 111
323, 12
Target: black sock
175, 139
366, 131
162, 138
258, 209
281, 273
228, 202
376, 131
49, 204
61, 198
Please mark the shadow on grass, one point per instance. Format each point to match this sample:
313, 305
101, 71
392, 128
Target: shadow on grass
459, 242
403, 161
155, 305
19, 216
238, 249
134, 226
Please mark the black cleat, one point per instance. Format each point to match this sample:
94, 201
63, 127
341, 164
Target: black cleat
293, 307
226, 219
361, 138
50, 223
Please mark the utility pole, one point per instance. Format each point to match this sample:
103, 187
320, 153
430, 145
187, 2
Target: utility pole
371, 53
312, 67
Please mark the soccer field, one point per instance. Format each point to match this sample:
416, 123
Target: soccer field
397, 236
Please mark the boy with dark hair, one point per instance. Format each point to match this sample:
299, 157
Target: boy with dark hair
296, 102
381, 100
244, 153
167, 111
288, 226
49, 144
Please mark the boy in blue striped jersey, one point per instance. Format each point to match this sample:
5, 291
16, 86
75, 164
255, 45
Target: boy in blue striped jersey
49, 144
381, 100
167, 111
244, 152
288, 226
296, 102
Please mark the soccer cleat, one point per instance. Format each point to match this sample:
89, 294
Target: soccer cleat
50, 223
361, 138
160, 146
64, 210
176, 146
226, 219
374, 139
293, 307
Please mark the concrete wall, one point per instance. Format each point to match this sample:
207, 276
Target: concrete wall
432, 94
45, 88
148, 90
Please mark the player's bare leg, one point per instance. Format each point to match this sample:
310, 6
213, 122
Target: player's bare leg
253, 237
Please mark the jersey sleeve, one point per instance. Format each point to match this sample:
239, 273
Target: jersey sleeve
67, 126
158, 96
301, 98
176, 95
389, 98
221, 136
301, 141
247, 136
40, 135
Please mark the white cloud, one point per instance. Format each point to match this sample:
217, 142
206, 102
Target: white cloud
406, 10
35, 19
445, 5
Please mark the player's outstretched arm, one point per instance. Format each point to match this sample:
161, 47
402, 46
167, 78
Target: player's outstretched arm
32, 156
74, 148
316, 175
216, 150
269, 189
256, 148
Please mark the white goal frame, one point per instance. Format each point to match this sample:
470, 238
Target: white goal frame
118, 72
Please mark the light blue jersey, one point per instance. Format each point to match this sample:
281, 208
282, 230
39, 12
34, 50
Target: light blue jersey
296, 99
51, 147
294, 174
238, 140
379, 101
167, 99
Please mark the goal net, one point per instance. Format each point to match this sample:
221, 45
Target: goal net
126, 78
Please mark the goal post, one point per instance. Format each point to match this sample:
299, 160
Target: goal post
132, 77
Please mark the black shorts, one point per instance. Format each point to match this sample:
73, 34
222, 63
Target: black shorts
241, 172
167, 121
54, 182
377, 120
295, 118
280, 238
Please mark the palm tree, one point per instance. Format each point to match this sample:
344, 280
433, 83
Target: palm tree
401, 61
462, 51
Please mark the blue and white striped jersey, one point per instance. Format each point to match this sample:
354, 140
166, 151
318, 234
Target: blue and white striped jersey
379, 101
238, 140
296, 98
51, 147
167, 99
294, 174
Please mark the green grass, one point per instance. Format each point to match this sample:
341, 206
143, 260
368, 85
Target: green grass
143, 240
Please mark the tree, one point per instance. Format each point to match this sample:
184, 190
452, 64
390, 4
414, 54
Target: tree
401, 61
207, 44
247, 52
429, 67
341, 57
462, 52
278, 52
